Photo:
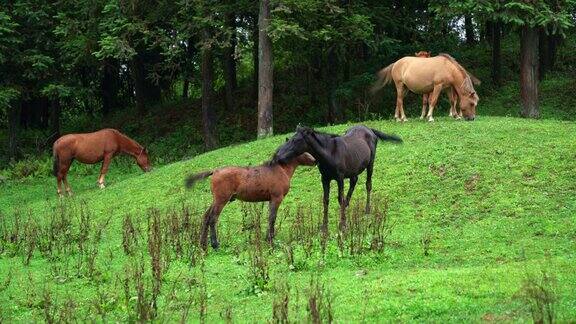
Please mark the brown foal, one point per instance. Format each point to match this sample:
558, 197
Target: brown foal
92, 148
269, 182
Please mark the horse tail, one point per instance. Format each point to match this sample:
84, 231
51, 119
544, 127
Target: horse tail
55, 163
384, 77
386, 137
191, 180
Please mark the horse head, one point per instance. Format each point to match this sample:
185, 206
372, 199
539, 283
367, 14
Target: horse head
293, 147
468, 100
306, 159
143, 161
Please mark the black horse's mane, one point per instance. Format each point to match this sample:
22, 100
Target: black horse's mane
309, 129
273, 161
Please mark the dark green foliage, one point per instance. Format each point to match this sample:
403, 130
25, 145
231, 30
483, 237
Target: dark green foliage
82, 65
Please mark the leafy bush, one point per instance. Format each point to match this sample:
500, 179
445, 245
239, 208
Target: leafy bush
30, 167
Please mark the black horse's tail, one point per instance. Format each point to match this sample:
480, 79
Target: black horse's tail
386, 137
191, 180
55, 164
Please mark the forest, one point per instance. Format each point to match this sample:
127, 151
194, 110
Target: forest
240, 69
452, 219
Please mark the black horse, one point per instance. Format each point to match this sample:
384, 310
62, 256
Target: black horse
338, 158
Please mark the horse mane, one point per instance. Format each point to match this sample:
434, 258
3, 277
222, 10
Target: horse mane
273, 161
310, 129
469, 78
127, 138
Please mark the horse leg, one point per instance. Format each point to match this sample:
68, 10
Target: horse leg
399, 114
59, 184
433, 100
326, 201
205, 225
424, 105
65, 178
62, 175
452, 112
353, 182
104, 170
342, 202
213, 222
453, 102
273, 209
369, 184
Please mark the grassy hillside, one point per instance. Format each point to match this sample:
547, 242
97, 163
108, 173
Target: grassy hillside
477, 214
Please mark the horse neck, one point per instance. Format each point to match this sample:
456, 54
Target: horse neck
459, 81
128, 145
290, 168
322, 147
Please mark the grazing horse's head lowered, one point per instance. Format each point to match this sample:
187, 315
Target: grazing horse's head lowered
468, 100
143, 161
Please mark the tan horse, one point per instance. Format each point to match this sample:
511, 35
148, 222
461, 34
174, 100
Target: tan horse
430, 75
452, 95
92, 148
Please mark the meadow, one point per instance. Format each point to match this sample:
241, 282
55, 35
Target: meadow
473, 221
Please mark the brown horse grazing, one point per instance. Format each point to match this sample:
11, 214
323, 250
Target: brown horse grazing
452, 95
430, 75
269, 182
92, 148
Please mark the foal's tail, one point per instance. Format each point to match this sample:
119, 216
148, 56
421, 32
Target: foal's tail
386, 137
55, 164
191, 180
384, 77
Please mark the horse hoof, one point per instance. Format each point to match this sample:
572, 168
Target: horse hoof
430, 119
215, 246
398, 119
404, 119
101, 185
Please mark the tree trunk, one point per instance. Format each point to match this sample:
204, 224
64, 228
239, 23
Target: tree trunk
553, 42
543, 59
109, 86
529, 72
55, 114
469, 28
265, 72
487, 32
332, 77
14, 112
208, 115
255, 58
138, 76
230, 64
496, 31
185, 88
189, 67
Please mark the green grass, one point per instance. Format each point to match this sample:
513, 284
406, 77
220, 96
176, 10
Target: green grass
496, 197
